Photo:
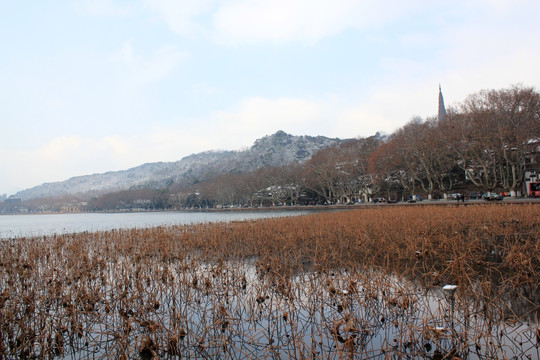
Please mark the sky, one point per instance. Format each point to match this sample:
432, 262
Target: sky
90, 86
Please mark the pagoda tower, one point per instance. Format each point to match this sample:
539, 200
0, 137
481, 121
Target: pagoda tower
442, 109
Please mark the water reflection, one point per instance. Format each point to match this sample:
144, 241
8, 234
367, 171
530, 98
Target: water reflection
242, 310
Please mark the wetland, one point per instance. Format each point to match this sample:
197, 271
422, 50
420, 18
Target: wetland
366, 283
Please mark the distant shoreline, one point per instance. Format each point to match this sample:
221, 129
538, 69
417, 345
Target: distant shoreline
438, 202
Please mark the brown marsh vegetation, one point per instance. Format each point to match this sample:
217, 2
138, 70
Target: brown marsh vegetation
352, 284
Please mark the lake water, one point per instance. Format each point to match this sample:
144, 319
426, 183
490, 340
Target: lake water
46, 224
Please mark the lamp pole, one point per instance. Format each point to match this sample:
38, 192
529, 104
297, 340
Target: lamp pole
451, 290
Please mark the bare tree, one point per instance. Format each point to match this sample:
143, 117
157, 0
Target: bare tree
471, 142
321, 175
516, 113
493, 133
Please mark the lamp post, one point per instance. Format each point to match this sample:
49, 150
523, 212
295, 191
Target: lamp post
451, 290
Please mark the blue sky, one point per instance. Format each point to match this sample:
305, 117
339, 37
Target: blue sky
92, 86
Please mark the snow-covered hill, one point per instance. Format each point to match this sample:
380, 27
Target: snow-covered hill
272, 150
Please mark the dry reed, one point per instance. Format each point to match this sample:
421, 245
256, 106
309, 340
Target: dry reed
353, 284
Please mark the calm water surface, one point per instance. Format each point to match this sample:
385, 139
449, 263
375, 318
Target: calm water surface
47, 224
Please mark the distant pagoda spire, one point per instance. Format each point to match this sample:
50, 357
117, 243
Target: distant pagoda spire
442, 109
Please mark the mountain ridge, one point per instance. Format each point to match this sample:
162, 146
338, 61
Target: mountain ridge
277, 149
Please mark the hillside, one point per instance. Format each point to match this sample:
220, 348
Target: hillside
272, 150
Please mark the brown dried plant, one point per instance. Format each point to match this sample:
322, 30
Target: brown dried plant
361, 283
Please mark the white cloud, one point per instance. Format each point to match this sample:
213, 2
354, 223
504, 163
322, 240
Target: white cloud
278, 21
59, 159
255, 117
183, 17
102, 8
151, 68
248, 21
68, 156
236, 127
